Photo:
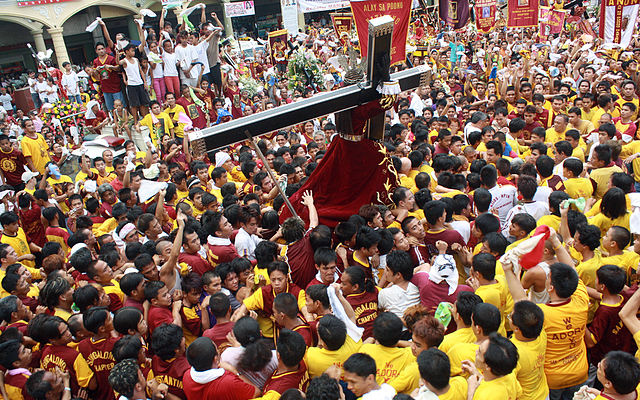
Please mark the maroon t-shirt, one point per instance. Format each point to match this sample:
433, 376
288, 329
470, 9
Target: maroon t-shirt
158, 316
195, 113
365, 306
300, 258
432, 294
226, 387
218, 334
196, 262
449, 236
109, 80
171, 373
12, 166
608, 330
100, 359
32, 224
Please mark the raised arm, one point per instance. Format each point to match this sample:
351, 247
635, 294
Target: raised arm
169, 268
105, 32
515, 286
307, 200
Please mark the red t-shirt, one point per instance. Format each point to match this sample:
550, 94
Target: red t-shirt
234, 96
365, 306
109, 81
100, 359
281, 382
32, 224
196, 262
226, 387
12, 166
432, 294
129, 302
218, 334
158, 316
608, 331
193, 112
300, 259
171, 373
64, 358
222, 254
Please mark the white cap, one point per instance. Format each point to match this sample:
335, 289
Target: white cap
221, 158
27, 175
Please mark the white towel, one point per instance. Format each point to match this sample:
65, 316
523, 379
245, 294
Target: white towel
92, 26
354, 331
145, 12
444, 268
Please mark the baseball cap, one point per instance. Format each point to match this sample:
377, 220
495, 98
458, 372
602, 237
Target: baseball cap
27, 175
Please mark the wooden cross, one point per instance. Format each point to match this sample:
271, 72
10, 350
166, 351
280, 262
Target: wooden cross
380, 30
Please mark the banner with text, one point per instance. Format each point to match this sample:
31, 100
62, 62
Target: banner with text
551, 21
239, 9
38, 2
365, 10
321, 5
342, 24
485, 14
522, 13
454, 13
290, 16
617, 20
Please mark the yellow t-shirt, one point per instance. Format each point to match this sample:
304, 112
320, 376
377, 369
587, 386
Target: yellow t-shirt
583, 127
595, 117
462, 335
37, 150
174, 113
319, 359
408, 380
636, 338
159, 129
602, 176
460, 352
565, 361
553, 136
530, 369
604, 223
628, 261
578, 187
552, 221
20, 245
635, 101
630, 149
390, 361
504, 388
256, 302
457, 389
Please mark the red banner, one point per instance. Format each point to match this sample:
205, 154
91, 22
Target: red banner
278, 46
364, 10
551, 21
342, 24
38, 2
522, 13
486, 14
454, 13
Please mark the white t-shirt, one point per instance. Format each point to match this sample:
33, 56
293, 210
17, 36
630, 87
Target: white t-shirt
185, 56
41, 89
133, 72
70, 83
201, 51
169, 64
503, 198
157, 71
246, 244
32, 81
464, 228
468, 129
396, 300
542, 194
536, 209
5, 99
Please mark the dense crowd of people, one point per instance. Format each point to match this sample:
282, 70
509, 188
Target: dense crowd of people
503, 264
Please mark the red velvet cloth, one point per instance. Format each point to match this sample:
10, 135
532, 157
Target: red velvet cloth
350, 175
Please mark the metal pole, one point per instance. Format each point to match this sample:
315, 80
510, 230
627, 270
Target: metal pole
270, 172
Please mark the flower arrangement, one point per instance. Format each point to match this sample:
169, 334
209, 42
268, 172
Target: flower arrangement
60, 110
304, 70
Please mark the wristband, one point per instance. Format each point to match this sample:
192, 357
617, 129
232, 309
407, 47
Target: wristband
67, 388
